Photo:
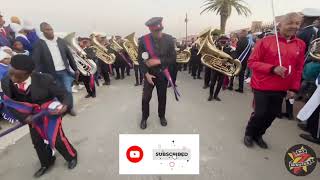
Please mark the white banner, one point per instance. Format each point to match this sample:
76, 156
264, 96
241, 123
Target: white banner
159, 154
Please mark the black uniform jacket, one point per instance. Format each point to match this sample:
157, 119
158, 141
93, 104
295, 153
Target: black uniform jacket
43, 88
164, 49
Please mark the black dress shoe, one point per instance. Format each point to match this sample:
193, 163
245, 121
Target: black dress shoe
194, 77
310, 138
205, 86
261, 143
88, 96
199, 77
239, 90
230, 88
163, 121
94, 96
248, 141
40, 172
72, 112
136, 84
217, 99
44, 169
143, 124
106, 83
73, 163
117, 78
210, 98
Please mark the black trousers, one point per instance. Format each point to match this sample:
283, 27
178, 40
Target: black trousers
118, 69
173, 70
104, 70
128, 70
313, 125
207, 76
267, 105
240, 76
138, 74
87, 83
44, 150
161, 84
216, 77
196, 69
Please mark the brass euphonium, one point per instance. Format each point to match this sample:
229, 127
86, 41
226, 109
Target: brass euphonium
115, 45
130, 45
101, 51
85, 65
184, 56
215, 58
315, 49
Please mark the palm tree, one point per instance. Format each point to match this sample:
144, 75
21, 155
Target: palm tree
224, 8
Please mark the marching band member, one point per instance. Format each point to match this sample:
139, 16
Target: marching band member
242, 53
104, 68
27, 93
216, 76
156, 52
270, 81
52, 55
88, 81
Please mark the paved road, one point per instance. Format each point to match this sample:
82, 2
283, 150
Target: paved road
94, 132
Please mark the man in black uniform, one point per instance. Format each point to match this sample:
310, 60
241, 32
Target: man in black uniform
242, 53
34, 90
216, 76
156, 52
103, 67
196, 62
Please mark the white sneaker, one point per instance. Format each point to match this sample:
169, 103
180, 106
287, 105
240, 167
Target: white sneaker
74, 89
248, 80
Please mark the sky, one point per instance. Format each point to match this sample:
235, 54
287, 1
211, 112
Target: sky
122, 17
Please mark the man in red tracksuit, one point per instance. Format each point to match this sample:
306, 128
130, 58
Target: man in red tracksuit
270, 81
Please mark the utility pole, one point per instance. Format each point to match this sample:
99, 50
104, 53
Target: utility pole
186, 21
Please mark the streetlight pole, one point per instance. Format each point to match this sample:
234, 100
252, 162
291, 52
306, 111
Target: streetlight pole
186, 21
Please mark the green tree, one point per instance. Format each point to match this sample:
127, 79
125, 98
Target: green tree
224, 8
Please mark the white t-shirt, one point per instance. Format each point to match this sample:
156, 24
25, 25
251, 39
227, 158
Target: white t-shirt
55, 53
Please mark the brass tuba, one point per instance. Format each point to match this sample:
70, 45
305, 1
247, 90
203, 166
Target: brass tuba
315, 49
215, 58
101, 51
184, 56
85, 65
130, 45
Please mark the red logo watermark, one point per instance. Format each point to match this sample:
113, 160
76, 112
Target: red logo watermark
134, 154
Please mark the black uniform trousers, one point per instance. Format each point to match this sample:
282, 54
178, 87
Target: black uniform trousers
138, 74
196, 69
161, 84
86, 81
173, 70
216, 77
267, 105
240, 76
44, 150
207, 76
104, 70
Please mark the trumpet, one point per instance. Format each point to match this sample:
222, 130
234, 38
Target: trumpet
85, 65
102, 52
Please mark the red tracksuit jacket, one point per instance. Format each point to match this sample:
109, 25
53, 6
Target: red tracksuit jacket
265, 57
